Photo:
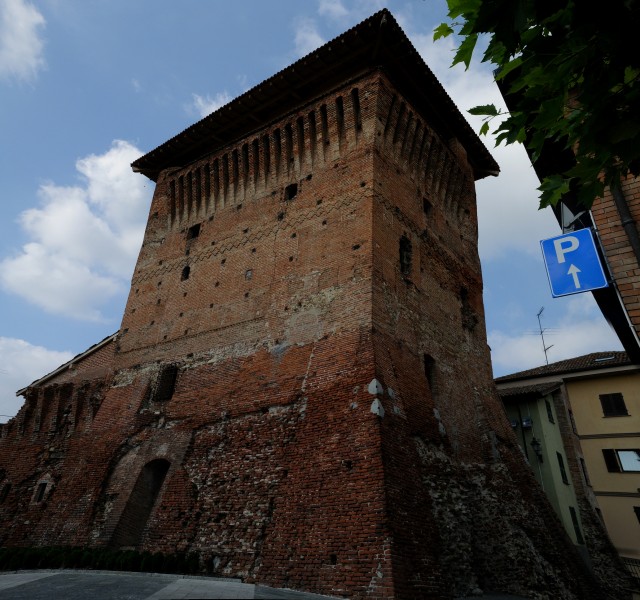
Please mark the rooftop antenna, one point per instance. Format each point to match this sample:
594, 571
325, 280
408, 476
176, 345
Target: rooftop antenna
544, 347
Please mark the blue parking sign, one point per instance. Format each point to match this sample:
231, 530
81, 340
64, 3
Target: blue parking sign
572, 262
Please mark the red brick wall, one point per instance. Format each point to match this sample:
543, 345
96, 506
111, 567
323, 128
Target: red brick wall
619, 254
295, 329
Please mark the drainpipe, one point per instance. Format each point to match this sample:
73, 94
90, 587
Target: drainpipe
625, 217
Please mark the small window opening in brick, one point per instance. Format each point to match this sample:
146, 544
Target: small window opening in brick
217, 284
405, 255
294, 235
426, 206
181, 314
309, 176
152, 323
185, 273
318, 202
246, 294
184, 295
291, 259
248, 274
158, 302
429, 365
5, 492
193, 232
253, 250
224, 260
291, 191
239, 207
246, 230
280, 216
210, 305
324, 222
333, 558
355, 247
42, 488
166, 383
347, 464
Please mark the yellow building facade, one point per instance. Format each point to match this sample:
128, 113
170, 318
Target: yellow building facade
599, 395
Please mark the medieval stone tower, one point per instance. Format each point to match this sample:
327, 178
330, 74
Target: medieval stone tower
300, 391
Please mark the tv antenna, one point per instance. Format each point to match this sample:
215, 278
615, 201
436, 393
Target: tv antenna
544, 346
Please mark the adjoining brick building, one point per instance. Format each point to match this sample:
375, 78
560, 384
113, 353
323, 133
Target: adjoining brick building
300, 391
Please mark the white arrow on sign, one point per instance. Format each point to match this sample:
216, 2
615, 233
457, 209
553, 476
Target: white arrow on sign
573, 271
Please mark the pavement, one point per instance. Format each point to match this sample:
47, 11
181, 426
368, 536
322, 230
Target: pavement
77, 584
66, 584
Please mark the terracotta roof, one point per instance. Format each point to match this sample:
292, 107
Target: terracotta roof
588, 362
540, 389
376, 43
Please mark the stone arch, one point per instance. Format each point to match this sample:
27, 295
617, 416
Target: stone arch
139, 506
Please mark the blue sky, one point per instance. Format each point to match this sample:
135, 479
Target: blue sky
87, 87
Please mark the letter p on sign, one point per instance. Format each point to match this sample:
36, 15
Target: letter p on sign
565, 245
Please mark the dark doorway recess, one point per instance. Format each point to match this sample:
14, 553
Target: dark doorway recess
138, 509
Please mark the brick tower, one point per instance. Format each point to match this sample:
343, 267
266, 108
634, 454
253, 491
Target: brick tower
300, 391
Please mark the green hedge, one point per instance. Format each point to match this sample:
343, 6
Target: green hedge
69, 557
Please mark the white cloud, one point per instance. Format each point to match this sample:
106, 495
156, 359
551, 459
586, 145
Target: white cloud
307, 37
20, 43
334, 9
580, 330
83, 240
23, 363
205, 105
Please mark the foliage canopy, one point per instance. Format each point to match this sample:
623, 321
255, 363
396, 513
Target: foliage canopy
570, 73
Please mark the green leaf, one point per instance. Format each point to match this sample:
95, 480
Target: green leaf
484, 129
486, 109
507, 68
553, 188
442, 31
465, 50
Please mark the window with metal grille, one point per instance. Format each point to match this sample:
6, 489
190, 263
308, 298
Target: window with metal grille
613, 405
549, 411
563, 471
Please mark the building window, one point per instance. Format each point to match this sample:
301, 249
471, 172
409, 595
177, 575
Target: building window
193, 232
613, 405
549, 411
185, 273
563, 471
576, 525
5, 492
166, 383
405, 255
622, 461
42, 488
291, 191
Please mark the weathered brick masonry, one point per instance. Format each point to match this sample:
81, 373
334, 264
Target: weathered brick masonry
300, 390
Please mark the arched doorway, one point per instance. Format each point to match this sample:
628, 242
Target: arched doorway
138, 509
